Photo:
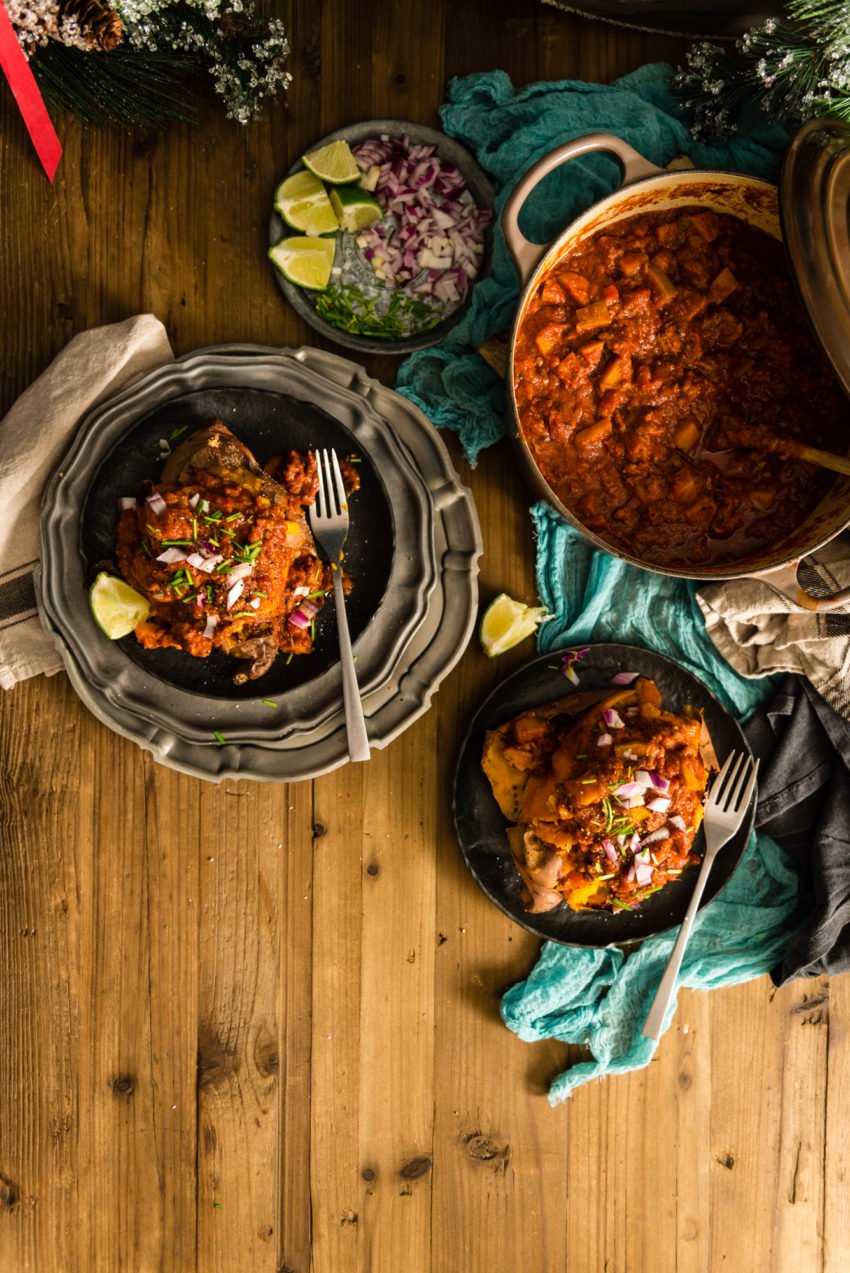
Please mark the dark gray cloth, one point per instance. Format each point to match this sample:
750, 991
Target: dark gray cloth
804, 804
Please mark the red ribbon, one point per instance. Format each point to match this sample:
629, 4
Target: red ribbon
27, 94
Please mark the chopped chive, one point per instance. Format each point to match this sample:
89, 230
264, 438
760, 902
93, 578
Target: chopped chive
268, 703
175, 543
219, 738
586, 781
178, 433
213, 517
313, 630
583, 756
289, 660
210, 592
222, 566
191, 597
257, 593
310, 595
194, 528
233, 517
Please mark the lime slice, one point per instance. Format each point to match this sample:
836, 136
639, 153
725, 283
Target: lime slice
117, 608
507, 622
303, 203
355, 207
306, 262
333, 163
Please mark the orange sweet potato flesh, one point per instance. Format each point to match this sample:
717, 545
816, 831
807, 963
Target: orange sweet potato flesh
531, 762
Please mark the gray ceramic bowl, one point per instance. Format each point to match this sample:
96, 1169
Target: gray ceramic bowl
304, 301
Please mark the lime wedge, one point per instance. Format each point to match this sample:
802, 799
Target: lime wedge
355, 207
303, 203
333, 163
306, 262
117, 608
507, 622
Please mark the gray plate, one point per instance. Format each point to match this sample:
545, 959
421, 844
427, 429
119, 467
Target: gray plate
302, 300
418, 632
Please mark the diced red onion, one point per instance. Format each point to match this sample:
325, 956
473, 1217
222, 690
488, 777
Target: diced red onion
208, 564
301, 591
659, 783
298, 619
642, 858
127, 501
633, 802
156, 504
634, 843
610, 850
203, 506
660, 804
624, 678
310, 608
677, 822
630, 874
196, 560
604, 740
200, 600
235, 593
171, 556
255, 603
629, 789
193, 501
613, 719
571, 674
643, 876
240, 571
642, 776
207, 546
656, 836
212, 623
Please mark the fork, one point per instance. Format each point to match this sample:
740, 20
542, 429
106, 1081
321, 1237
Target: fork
329, 523
725, 809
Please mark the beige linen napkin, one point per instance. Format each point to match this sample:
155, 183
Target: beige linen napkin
33, 438
760, 632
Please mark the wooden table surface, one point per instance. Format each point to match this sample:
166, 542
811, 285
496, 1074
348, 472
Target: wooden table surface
255, 1027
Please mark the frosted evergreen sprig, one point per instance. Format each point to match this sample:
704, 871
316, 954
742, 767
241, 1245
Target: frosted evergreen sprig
794, 70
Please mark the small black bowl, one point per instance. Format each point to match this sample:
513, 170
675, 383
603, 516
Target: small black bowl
303, 301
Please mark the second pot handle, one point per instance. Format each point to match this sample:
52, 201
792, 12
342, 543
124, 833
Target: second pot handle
787, 585
526, 254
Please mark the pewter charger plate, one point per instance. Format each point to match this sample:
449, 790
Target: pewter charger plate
423, 586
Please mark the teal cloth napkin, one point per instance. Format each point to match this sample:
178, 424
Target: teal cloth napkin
600, 998
508, 130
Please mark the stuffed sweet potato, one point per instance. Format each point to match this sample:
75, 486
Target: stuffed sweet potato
606, 793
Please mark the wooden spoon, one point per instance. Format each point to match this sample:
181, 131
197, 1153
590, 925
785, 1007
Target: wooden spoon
789, 450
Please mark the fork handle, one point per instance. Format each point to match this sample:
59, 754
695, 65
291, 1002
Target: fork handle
654, 1022
355, 724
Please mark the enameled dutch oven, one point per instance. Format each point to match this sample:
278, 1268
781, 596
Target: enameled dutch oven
816, 236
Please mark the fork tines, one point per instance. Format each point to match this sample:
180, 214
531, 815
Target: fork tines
330, 485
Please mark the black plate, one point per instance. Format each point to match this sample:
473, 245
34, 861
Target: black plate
268, 424
480, 824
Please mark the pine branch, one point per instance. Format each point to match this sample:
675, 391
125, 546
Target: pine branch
124, 88
793, 70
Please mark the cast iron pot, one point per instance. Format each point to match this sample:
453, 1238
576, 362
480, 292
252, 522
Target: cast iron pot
646, 188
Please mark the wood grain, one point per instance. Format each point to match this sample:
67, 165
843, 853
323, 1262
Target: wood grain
256, 1026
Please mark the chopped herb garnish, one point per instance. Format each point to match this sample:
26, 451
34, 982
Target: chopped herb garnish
178, 433
313, 630
194, 528
177, 543
311, 595
289, 660
219, 738
268, 703
586, 781
233, 517
213, 517
210, 592
583, 756
257, 593
222, 566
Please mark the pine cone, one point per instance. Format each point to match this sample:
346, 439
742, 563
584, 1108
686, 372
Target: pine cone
99, 26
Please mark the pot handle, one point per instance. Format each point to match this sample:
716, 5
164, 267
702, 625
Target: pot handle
787, 585
526, 254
